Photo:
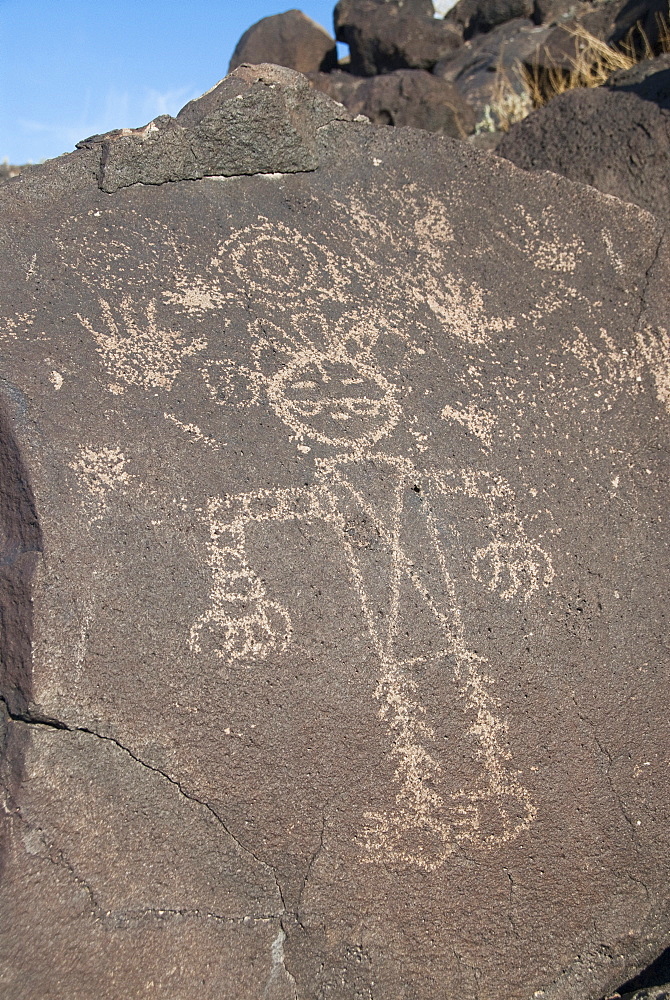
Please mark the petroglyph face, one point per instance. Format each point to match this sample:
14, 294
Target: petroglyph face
334, 399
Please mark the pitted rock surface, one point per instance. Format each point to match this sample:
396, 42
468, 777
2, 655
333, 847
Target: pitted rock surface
335, 556
616, 138
260, 119
650, 993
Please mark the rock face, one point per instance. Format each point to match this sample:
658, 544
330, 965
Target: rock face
407, 97
616, 138
288, 39
334, 561
385, 35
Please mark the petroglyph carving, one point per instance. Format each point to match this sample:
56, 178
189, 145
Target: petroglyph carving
195, 296
103, 469
241, 624
271, 257
460, 308
316, 361
654, 345
617, 369
336, 396
102, 472
542, 240
11, 326
136, 351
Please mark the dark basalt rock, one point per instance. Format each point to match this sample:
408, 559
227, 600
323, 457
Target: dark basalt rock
475, 17
384, 35
633, 24
648, 80
407, 97
290, 39
490, 66
334, 569
615, 138
649, 993
260, 119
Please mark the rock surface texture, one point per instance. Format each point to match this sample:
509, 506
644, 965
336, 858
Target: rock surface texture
335, 555
651, 993
487, 70
385, 35
616, 138
290, 39
409, 97
475, 17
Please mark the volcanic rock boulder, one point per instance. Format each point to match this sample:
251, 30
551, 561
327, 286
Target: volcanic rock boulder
333, 579
636, 25
475, 17
487, 70
406, 97
385, 35
290, 39
615, 138
229, 130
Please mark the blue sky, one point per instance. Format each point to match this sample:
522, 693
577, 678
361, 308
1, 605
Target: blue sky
69, 69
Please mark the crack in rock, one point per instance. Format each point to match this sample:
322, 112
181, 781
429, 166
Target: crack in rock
26, 718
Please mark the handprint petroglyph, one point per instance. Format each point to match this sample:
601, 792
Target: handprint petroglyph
134, 347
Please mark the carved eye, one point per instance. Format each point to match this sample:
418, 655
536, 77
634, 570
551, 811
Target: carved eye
306, 384
363, 408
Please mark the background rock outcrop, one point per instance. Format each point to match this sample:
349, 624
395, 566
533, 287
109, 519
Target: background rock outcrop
227, 131
616, 138
406, 97
475, 17
289, 39
334, 568
385, 35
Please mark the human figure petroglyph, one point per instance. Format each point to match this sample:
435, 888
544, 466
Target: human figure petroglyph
337, 398
317, 364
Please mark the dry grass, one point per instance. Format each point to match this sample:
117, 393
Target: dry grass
594, 61
508, 105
